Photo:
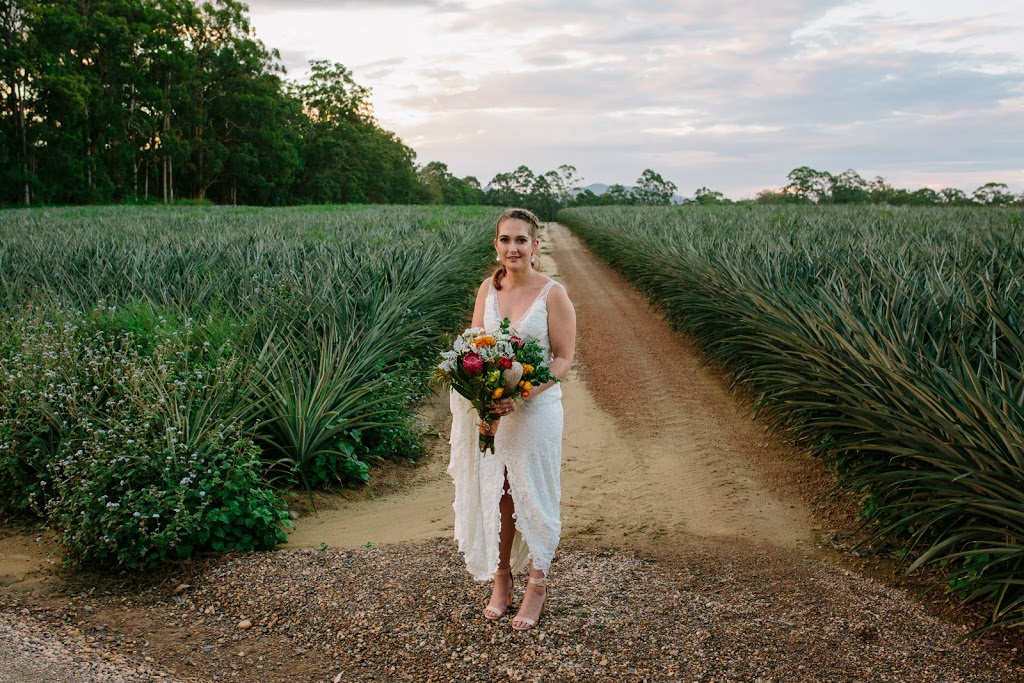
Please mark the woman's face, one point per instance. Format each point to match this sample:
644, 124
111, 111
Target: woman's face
514, 245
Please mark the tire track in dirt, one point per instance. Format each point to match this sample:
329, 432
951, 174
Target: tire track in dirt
655, 444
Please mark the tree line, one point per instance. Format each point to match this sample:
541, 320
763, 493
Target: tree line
170, 100
811, 186
163, 100
543, 193
112, 101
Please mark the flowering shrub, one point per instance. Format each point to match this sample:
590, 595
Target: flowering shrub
52, 376
129, 441
137, 501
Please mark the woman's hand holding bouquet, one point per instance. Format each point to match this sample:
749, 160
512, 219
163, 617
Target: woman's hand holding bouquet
487, 367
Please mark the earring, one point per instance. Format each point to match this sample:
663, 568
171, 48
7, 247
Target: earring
533, 261
497, 258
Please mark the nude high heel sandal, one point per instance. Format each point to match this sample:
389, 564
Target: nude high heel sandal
493, 613
530, 623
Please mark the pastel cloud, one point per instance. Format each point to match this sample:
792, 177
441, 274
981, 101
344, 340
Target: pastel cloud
731, 95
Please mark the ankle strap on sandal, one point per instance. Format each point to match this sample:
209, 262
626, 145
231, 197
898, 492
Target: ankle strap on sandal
543, 581
503, 571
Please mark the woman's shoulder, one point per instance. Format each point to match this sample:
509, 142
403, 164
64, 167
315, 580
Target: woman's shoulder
559, 307
554, 286
557, 293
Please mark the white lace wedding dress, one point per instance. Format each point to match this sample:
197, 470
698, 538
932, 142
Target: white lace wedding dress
528, 445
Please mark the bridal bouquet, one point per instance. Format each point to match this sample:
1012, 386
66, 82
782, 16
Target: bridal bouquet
484, 367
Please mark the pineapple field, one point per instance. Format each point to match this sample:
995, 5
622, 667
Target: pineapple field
157, 366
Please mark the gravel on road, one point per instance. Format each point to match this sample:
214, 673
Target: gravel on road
409, 612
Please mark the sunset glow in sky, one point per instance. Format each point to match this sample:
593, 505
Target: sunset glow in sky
731, 95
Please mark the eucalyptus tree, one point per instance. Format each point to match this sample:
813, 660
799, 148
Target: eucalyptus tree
993, 194
62, 74
438, 185
542, 198
472, 192
810, 185
619, 194
704, 195
568, 182
15, 75
93, 97
229, 67
952, 196
347, 156
652, 189
849, 188
502, 191
925, 196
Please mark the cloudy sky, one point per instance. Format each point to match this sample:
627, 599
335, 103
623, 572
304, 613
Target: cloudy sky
727, 94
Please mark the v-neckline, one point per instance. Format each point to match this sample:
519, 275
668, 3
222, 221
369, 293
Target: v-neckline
497, 307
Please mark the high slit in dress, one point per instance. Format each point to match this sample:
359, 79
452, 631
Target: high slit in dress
528, 446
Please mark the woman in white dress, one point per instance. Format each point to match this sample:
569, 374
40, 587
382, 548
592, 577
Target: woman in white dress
507, 502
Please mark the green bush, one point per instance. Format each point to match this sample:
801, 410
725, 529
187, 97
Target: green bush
121, 427
162, 470
59, 376
135, 502
52, 375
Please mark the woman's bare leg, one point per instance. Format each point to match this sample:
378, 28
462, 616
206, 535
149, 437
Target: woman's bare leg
503, 582
507, 533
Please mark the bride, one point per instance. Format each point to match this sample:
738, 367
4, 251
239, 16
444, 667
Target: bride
507, 502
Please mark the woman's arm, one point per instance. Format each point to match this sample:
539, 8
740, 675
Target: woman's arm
561, 333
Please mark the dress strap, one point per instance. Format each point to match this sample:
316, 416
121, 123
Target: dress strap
492, 297
547, 288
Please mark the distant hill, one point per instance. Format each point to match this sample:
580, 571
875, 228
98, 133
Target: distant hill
598, 188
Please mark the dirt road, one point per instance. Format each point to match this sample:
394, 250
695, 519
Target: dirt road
654, 447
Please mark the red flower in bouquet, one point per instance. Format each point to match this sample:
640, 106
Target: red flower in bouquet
474, 363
